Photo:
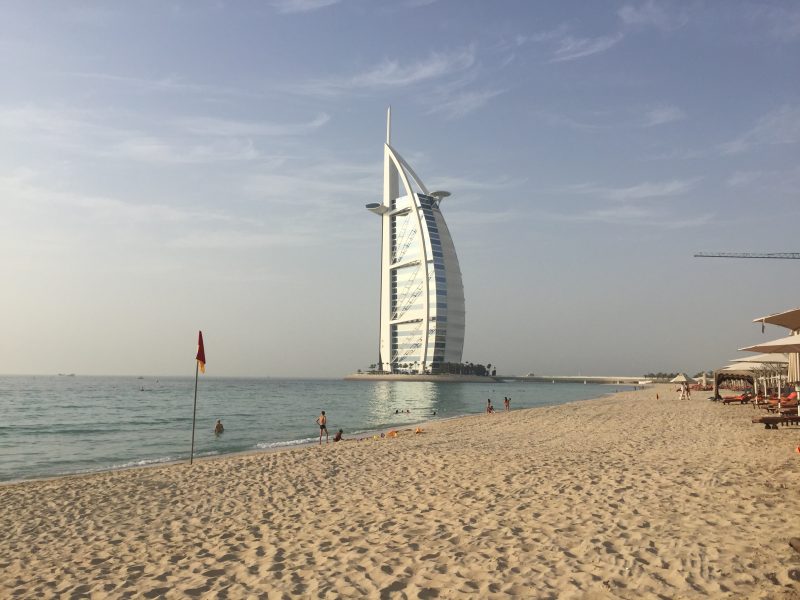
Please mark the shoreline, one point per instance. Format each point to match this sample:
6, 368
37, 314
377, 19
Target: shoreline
620, 496
154, 462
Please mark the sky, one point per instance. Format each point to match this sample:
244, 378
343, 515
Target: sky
171, 166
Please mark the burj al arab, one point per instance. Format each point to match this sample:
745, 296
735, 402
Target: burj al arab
422, 314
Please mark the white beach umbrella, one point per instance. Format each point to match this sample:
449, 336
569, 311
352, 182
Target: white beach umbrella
767, 359
682, 378
759, 370
744, 366
787, 344
790, 319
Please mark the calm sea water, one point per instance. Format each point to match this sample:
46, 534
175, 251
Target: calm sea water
62, 425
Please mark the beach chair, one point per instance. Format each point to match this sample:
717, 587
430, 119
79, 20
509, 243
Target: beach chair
772, 421
740, 399
777, 405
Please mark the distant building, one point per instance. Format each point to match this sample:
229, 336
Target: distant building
422, 296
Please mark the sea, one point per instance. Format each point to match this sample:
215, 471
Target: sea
61, 425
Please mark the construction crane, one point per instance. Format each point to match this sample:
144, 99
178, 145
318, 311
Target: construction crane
747, 255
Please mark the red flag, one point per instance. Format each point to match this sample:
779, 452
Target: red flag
201, 354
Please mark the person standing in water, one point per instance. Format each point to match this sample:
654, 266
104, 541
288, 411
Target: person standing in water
218, 428
322, 421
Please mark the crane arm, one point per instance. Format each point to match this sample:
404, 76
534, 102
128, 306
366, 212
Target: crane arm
795, 255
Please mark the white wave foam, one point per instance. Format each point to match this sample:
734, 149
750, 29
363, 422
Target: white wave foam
268, 445
140, 463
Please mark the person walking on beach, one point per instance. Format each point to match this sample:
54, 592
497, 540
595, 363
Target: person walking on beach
322, 421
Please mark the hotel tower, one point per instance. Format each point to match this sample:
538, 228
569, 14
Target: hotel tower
422, 297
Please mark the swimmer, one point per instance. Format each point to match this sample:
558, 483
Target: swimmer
218, 428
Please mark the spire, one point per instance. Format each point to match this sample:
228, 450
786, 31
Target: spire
389, 125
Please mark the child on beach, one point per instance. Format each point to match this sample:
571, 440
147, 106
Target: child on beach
489, 407
338, 436
322, 421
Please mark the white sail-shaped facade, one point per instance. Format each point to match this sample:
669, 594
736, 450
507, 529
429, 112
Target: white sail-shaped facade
422, 297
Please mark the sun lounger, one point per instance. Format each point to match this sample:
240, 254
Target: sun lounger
740, 399
780, 408
774, 400
772, 421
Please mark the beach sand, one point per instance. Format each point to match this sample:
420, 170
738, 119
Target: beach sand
619, 497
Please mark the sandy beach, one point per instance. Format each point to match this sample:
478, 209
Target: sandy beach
620, 497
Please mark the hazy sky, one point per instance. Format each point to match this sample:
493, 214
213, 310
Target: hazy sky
169, 166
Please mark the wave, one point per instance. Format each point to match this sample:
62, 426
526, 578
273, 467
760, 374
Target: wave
269, 445
141, 462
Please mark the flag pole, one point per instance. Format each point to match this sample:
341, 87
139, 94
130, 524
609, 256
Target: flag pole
194, 410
